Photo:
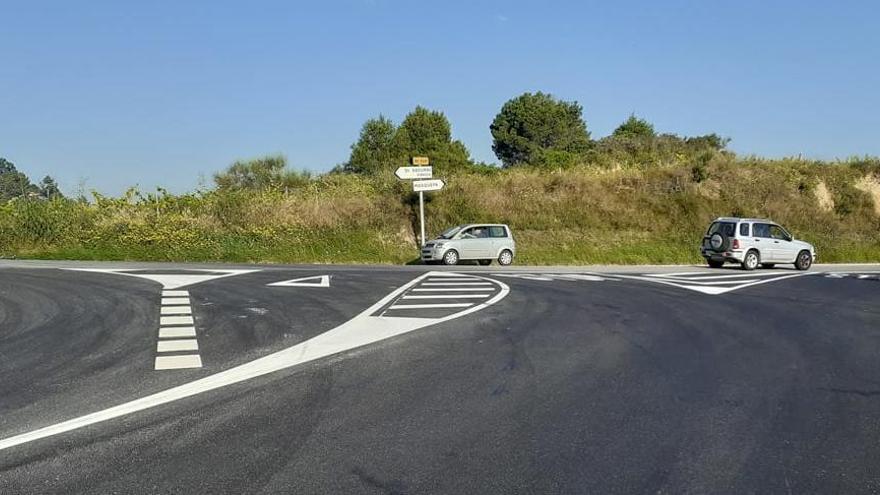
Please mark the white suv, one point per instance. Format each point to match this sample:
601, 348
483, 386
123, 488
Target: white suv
752, 242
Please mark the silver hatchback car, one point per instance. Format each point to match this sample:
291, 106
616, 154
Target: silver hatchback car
754, 241
480, 242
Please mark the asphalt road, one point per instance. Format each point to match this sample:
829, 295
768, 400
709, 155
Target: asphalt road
466, 380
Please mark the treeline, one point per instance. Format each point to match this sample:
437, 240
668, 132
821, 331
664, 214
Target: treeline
533, 130
15, 184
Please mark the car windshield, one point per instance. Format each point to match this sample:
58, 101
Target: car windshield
726, 228
448, 233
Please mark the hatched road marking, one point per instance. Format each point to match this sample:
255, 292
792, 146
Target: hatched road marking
364, 329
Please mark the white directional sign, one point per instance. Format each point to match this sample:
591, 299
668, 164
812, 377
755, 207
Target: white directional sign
428, 185
406, 173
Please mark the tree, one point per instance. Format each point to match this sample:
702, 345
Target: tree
383, 147
374, 149
538, 129
634, 128
426, 132
49, 188
14, 184
257, 173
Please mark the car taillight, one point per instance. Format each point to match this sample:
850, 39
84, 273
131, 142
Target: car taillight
736, 244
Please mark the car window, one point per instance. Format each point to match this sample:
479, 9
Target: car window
761, 230
744, 229
497, 232
778, 232
448, 233
475, 233
726, 228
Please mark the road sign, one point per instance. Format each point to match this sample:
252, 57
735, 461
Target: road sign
428, 185
407, 173
420, 160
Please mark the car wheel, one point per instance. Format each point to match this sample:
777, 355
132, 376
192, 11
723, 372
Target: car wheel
768, 265
804, 260
715, 264
484, 262
505, 258
751, 261
451, 257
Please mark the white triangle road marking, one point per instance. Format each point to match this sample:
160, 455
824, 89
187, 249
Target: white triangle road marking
317, 281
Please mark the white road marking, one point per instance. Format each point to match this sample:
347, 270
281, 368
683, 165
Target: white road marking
175, 301
451, 279
448, 296
175, 332
473, 289
431, 306
713, 276
362, 330
176, 310
456, 284
162, 363
175, 293
177, 345
317, 281
176, 320
705, 289
171, 281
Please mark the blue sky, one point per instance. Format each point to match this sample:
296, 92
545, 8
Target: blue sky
112, 94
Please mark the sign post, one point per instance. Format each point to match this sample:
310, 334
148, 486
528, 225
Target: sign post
420, 173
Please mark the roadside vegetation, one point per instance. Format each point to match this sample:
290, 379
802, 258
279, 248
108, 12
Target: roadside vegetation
635, 196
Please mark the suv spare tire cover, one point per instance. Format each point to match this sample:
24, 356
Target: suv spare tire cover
719, 242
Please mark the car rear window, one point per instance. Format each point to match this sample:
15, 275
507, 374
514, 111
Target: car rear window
497, 232
726, 228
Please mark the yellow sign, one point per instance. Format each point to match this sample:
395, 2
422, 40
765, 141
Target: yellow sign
420, 160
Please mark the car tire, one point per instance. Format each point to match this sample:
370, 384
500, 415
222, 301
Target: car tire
751, 261
451, 257
715, 264
768, 265
804, 260
484, 262
505, 258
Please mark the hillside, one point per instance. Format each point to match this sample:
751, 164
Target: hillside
600, 212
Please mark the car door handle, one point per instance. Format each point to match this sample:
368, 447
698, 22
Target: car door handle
775, 242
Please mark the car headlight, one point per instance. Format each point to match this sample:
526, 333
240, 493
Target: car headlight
439, 244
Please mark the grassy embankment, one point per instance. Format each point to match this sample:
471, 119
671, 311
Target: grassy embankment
581, 215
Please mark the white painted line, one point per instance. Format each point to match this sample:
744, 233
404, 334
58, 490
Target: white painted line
451, 279
457, 284
536, 277
449, 296
175, 293
476, 289
715, 282
175, 301
176, 310
431, 306
176, 332
162, 363
709, 276
315, 281
177, 345
176, 320
171, 281
360, 331
578, 276
864, 276
709, 290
